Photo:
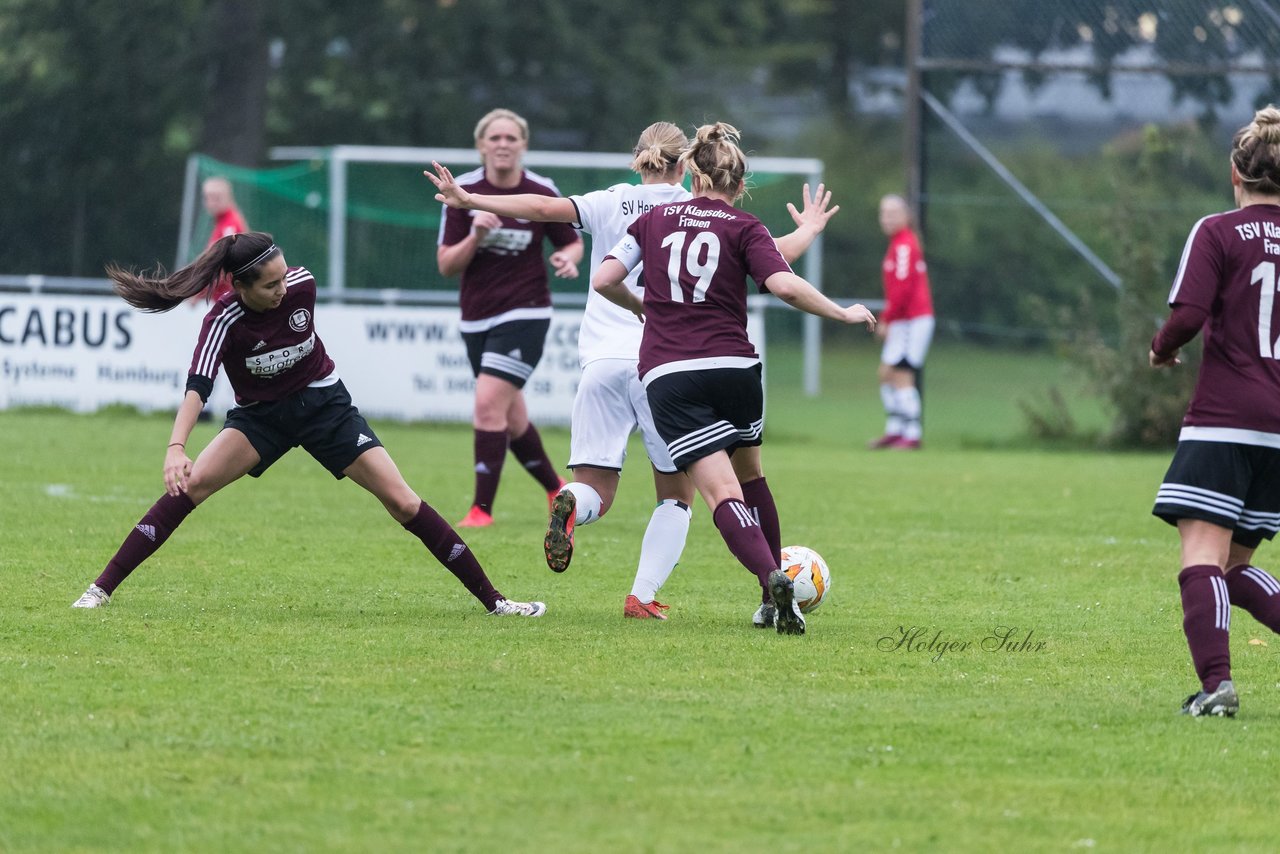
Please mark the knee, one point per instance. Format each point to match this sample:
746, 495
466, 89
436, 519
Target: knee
403, 507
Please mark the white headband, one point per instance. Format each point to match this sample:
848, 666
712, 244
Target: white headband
259, 259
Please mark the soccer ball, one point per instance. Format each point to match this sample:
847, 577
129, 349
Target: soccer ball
809, 572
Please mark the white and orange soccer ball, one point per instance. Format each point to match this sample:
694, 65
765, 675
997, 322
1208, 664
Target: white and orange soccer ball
809, 572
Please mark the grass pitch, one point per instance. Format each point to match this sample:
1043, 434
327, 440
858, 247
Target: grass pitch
997, 666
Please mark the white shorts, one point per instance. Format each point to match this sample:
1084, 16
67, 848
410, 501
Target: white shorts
609, 405
907, 341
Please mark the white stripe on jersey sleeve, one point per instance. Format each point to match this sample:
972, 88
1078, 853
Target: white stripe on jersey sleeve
207, 361
540, 179
1182, 263
296, 275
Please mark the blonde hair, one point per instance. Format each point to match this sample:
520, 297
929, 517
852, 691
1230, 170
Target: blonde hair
1255, 153
715, 160
659, 148
501, 113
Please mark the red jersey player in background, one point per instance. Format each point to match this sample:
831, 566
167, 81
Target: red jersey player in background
220, 204
702, 375
906, 325
506, 305
1222, 489
289, 394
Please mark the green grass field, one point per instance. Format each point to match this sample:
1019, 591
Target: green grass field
293, 672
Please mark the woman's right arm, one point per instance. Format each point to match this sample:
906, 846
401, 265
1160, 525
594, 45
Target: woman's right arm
177, 464
453, 258
529, 206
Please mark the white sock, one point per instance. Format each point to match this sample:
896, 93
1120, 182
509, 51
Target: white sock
909, 406
587, 503
661, 548
893, 421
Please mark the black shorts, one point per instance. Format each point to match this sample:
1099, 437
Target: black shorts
700, 412
1231, 485
322, 420
509, 350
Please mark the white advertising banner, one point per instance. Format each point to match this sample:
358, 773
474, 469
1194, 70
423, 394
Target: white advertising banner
404, 363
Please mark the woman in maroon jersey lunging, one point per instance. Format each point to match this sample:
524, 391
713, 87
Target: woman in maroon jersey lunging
1222, 489
702, 375
288, 394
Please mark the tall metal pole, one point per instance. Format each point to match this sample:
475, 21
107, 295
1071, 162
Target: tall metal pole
913, 113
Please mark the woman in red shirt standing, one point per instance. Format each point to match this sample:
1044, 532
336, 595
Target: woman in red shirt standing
906, 325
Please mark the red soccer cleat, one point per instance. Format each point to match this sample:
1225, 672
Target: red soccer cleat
903, 444
638, 610
888, 440
475, 518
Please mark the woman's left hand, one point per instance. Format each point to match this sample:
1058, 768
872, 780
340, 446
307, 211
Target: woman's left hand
564, 266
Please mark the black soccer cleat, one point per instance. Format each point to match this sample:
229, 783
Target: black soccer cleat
788, 619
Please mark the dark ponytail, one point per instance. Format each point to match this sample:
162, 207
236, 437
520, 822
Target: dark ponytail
236, 256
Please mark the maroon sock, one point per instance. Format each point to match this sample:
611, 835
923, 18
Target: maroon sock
1258, 592
147, 536
490, 453
1206, 620
529, 451
448, 548
744, 538
756, 495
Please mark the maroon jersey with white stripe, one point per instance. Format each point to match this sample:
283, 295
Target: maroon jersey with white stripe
697, 256
267, 355
508, 271
1230, 267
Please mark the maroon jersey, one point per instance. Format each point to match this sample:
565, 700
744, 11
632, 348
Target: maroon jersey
507, 273
697, 256
268, 355
1229, 269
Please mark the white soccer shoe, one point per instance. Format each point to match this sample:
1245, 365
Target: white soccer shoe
508, 608
765, 616
94, 597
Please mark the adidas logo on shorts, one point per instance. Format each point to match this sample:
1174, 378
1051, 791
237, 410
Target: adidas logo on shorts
363, 440
148, 531
458, 549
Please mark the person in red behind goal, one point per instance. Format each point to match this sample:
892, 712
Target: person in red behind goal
906, 325
288, 394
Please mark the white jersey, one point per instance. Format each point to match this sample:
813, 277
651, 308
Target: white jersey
608, 330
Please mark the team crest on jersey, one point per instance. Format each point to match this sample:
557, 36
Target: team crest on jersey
300, 320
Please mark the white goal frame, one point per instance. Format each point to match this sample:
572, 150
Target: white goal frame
339, 157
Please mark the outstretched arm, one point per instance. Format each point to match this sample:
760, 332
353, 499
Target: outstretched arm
798, 293
810, 222
520, 206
